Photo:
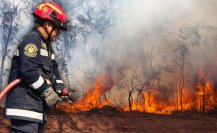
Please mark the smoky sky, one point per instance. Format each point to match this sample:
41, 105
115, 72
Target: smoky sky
153, 23
136, 27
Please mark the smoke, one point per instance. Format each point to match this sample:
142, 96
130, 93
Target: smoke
153, 34
146, 24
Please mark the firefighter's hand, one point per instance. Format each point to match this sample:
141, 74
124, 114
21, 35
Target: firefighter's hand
50, 96
60, 89
70, 97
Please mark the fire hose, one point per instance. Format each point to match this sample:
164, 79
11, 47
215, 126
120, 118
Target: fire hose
9, 87
18, 81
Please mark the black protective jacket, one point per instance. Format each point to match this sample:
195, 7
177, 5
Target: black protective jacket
34, 62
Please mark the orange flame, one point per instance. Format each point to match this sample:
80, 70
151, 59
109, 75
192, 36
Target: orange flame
191, 100
92, 98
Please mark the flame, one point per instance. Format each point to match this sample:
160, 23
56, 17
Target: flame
92, 98
210, 99
203, 97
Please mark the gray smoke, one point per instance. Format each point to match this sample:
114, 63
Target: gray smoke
150, 35
144, 22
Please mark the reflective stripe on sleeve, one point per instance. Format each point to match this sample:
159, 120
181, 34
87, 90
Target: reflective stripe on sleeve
37, 83
52, 56
43, 52
59, 81
24, 113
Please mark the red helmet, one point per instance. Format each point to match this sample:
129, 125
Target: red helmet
53, 12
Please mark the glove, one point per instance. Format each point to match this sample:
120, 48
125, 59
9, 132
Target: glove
64, 94
60, 89
50, 96
70, 97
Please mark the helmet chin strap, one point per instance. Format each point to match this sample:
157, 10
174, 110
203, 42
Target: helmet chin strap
48, 34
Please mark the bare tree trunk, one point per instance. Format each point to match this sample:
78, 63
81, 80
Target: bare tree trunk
181, 93
177, 95
149, 92
204, 83
182, 82
4, 50
130, 99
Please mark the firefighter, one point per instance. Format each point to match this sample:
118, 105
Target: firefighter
34, 62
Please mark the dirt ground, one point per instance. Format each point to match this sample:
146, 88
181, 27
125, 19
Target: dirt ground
109, 120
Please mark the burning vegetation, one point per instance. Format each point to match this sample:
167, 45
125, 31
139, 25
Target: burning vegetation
201, 98
151, 62
173, 74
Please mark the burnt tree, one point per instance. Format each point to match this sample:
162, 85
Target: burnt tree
9, 30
